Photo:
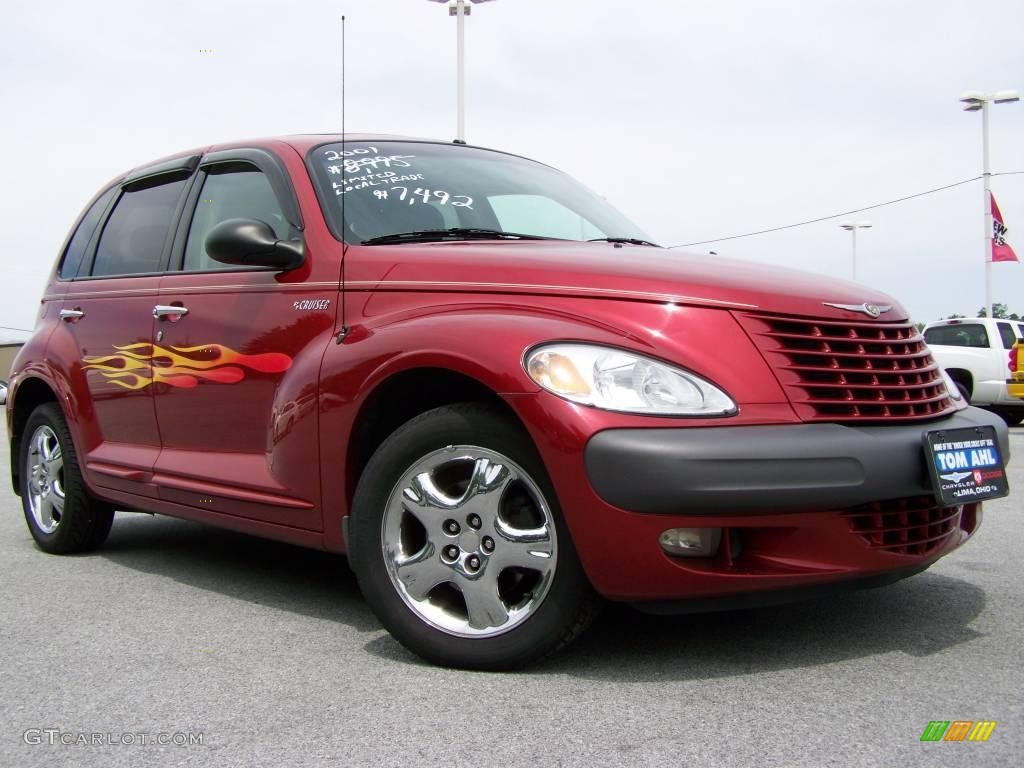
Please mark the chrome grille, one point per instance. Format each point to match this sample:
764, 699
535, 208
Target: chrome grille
833, 370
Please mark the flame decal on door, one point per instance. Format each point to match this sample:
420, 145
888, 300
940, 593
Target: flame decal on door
136, 366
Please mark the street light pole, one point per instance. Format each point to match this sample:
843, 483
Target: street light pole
460, 63
975, 101
986, 183
460, 10
852, 228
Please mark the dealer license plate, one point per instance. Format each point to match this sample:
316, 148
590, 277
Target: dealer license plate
965, 465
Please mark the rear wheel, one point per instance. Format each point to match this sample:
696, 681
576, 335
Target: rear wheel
1012, 416
459, 547
61, 515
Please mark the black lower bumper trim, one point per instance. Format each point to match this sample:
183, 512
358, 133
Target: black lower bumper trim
765, 469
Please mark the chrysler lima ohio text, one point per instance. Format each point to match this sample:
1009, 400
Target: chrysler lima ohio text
485, 386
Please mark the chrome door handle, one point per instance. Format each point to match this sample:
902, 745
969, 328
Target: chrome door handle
70, 315
161, 311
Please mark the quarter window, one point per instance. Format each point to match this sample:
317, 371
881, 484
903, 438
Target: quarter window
235, 192
1007, 334
83, 234
133, 239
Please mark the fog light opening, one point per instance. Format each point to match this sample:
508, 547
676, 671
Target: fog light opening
691, 542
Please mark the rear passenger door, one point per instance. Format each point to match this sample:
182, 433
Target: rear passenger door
108, 324
241, 349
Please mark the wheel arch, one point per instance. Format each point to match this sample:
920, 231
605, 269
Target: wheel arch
962, 376
402, 395
31, 392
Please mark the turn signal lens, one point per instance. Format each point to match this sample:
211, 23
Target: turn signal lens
1013, 359
558, 374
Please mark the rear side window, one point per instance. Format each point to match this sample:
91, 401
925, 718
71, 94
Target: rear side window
959, 335
133, 238
1008, 336
83, 234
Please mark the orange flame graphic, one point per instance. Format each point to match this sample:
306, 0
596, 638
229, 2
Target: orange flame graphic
136, 366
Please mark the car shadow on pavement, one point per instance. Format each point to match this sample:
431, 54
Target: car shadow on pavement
304, 581
920, 616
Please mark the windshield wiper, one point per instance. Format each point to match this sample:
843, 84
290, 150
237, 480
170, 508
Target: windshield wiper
452, 233
626, 240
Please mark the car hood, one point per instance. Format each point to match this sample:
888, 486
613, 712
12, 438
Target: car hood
603, 270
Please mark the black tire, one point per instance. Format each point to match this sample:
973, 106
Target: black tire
568, 603
84, 522
1012, 416
963, 392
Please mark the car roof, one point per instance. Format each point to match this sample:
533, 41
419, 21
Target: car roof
304, 142
301, 143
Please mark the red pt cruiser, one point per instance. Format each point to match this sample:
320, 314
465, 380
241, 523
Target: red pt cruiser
488, 388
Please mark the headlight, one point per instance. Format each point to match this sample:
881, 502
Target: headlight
616, 380
951, 387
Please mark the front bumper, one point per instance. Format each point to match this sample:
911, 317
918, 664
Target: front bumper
1014, 387
809, 533
766, 469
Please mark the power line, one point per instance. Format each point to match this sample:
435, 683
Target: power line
9, 328
844, 213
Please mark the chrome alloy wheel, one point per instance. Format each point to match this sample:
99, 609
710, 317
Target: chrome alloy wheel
45, 472
469, 541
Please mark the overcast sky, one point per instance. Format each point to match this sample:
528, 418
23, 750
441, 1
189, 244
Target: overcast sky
697, 119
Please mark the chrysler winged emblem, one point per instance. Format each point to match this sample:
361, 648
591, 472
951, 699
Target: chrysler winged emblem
871, 310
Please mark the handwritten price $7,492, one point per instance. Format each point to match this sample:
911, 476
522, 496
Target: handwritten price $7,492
442, 197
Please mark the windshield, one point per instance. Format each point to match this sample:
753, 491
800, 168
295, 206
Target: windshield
392, 188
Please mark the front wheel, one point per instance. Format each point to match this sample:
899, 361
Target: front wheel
459, 547
61, 515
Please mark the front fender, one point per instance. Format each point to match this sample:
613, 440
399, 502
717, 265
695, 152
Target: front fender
485, 340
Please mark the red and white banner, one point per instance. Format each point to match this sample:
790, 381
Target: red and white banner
1001, 250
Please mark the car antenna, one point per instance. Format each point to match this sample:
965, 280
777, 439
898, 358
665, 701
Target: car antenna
344, 241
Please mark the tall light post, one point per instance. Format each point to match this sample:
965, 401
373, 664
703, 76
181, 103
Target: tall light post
974, 101
460, 10
852, 228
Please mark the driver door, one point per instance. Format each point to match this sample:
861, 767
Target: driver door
239, 350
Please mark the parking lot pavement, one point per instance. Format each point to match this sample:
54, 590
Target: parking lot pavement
268, 654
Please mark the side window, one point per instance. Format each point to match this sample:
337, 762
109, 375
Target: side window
539, 215
1007, 334
83, 234
233, 193
133, 238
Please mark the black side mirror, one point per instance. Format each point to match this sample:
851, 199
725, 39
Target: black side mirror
252, 243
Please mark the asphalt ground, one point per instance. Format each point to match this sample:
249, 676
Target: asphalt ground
268, 654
